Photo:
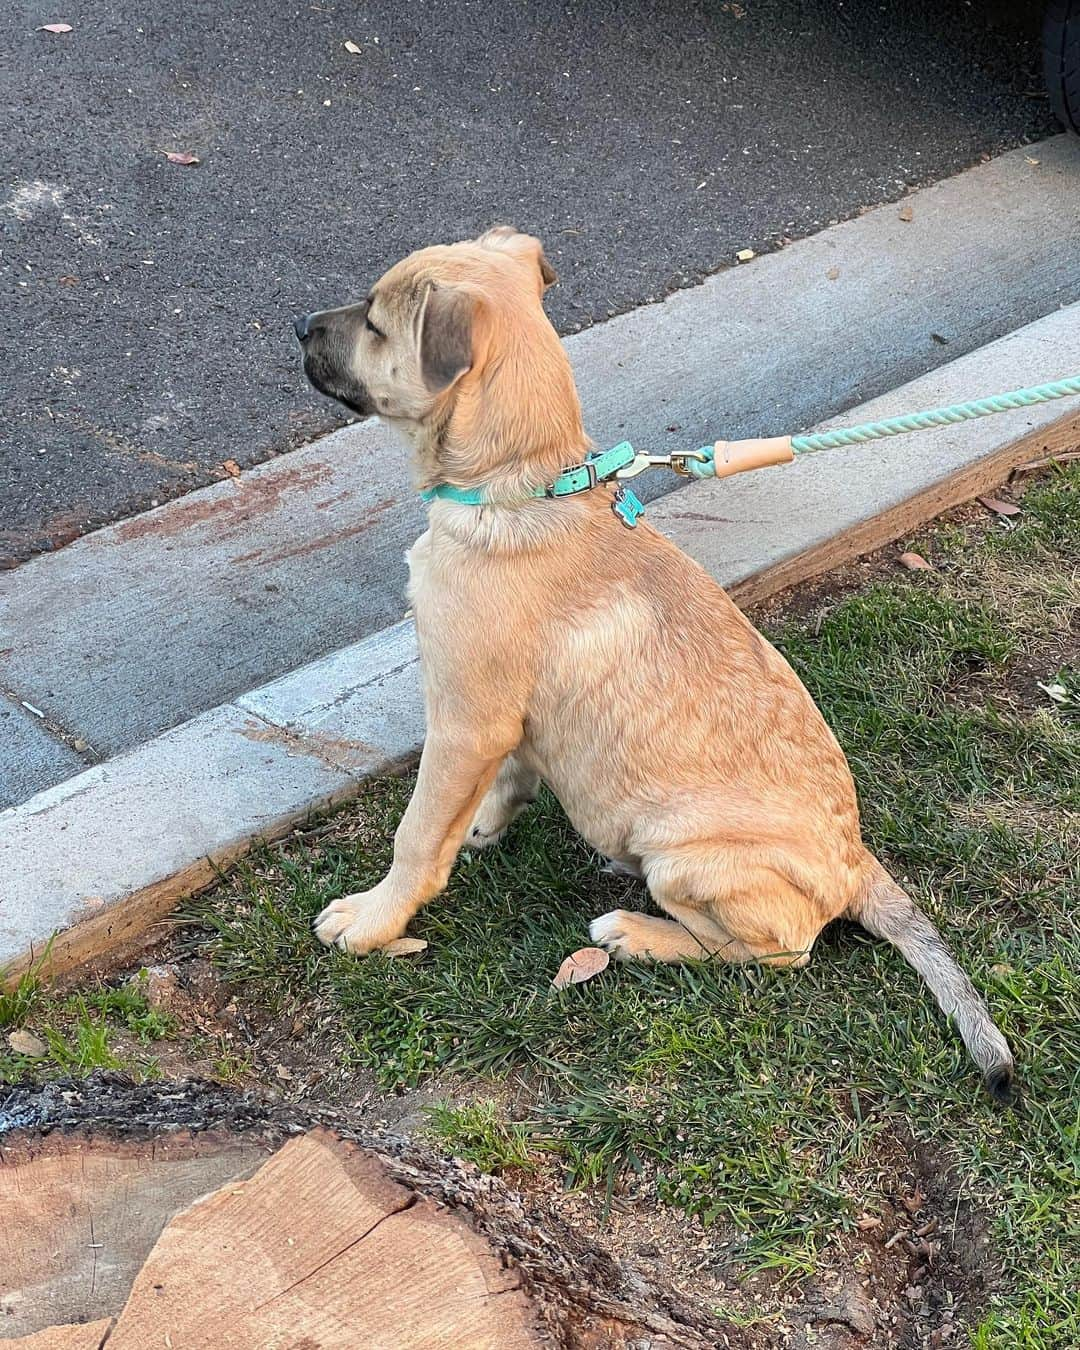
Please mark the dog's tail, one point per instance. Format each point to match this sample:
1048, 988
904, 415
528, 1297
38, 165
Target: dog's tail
888, 912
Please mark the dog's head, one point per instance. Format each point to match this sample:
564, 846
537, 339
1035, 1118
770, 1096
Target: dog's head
453, 345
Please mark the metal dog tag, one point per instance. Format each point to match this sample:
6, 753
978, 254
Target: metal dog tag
626, 506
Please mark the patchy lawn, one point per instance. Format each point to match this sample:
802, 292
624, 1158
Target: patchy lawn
809, 1123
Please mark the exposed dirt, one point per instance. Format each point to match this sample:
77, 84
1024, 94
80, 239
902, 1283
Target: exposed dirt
810, 599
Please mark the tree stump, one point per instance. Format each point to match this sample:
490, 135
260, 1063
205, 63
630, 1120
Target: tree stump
318, 1248
258, 1237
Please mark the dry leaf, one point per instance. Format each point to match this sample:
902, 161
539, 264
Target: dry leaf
184, 157
999, 507
55, 28
913, 1203
353, 48
23, 1043
231, 468
833, 273
915, 562
404, 947
907, 214
744, 254
867, 1221
1057, 692
580, 966
1030, 160
67, 281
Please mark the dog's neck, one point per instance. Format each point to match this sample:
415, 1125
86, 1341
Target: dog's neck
511, 424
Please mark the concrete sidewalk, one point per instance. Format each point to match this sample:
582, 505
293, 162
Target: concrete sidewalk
99, 858
149, 623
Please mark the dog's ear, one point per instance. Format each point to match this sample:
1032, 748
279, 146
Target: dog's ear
446, 335
524, 246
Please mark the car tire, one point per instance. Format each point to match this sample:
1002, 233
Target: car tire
1061, 60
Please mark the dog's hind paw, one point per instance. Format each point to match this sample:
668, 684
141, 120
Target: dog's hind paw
611, 931
483, 835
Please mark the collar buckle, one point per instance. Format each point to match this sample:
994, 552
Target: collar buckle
589, 466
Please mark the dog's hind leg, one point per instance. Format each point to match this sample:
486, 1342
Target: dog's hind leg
629, 936
730, 906
690, 935
514, 788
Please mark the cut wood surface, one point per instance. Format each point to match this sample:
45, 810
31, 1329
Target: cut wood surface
316, 1247
321, 1249
80, 1216
85, 1336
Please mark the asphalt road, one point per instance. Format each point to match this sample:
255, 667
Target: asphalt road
146, 305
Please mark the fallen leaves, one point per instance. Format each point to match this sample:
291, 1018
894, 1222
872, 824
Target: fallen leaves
1057, 693
907, 215
54, 28
913, 1203
24, 1043
915, 562
184, 157
231, 467
405, 946
580, 966
999, 507
744, 254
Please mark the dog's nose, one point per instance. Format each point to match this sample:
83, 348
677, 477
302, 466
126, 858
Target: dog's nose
302, 327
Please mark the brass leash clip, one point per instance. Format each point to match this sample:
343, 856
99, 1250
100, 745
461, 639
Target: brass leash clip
676, 461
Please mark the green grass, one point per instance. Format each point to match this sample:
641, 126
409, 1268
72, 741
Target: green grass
78, 1033
17, 1003
478, 1133
761, 1099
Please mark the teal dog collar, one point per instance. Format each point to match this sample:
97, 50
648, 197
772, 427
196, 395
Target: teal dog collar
597, 468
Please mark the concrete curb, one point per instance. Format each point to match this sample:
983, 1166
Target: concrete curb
95, 861
91, 863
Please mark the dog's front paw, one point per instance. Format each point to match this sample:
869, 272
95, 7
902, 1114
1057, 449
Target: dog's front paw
358, 923
612, 932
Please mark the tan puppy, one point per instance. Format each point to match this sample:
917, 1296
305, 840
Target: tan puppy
557, 645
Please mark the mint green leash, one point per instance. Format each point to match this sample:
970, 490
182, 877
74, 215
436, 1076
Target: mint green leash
725, 458
920, 421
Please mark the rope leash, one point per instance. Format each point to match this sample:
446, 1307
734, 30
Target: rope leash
724, 458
